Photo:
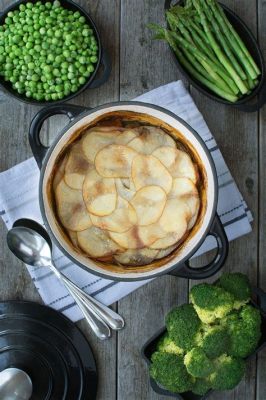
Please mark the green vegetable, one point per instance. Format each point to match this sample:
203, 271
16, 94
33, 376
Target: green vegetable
42, 48
169, 371
214, 340
209, 48
183, 325
211, 302
197, 363
228, 374
201, 387
238, 285
167, 345
244, 331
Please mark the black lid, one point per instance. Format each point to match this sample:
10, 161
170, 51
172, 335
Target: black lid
50, 349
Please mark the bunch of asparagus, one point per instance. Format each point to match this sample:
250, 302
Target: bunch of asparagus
209, 48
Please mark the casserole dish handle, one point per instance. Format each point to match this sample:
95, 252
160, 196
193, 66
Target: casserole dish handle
38, 149
218, 232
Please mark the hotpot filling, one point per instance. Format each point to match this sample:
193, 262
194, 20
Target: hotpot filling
126, 194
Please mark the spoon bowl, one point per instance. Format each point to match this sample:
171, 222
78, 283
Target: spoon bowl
15, 384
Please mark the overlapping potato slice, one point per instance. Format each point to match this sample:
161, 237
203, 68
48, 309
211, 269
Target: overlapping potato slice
149, 203
73, 237
71, 208
114, 161
121, 219
177, 162
175, 211
97, 243
129, 239
99, 194
126, 136
137, 257
148, 170
124, 190
76, 168
59, 173
97, 138
149, 139
165, 252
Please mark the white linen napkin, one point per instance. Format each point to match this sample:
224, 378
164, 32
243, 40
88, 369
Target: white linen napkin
19, 199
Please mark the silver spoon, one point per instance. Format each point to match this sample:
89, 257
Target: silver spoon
15, 384
33, 249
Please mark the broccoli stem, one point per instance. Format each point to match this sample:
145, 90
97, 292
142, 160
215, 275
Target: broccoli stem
222, 40
245, 60
223, 59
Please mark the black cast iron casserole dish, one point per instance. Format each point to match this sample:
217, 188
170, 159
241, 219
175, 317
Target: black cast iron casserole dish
92, 81
209, 223
248, 103
258, 301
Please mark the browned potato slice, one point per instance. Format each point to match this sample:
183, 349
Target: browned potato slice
193, 203
137, 256
129, 239
148, 170
177, 162
97, 243
149, 139
124, 190
149, 203
174, 213
183, 187
127, 136
99, 194
76, 168
171, 238
71, 208
121, 220
150, 233
114, 161
59, 173
73, 237
165, 252
95, 139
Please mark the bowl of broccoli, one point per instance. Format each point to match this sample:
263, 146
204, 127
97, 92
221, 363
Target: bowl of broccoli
205, 344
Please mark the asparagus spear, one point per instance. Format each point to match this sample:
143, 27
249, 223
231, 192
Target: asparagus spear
244, 60
210, 67
223, 59
240, 42
222, 40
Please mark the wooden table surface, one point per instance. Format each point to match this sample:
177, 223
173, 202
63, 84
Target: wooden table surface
140, 64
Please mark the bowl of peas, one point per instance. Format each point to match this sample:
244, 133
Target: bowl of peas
50, 51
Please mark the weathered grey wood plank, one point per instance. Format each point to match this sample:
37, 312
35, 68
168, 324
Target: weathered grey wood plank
15, 281
236, 134
261, 359
144, 65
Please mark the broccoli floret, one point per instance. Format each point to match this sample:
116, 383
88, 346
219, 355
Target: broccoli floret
170, 372
238, 285
183, 325
211, 302
214, 340
166, 345
201, 386
197, 363
228, 372
244, 331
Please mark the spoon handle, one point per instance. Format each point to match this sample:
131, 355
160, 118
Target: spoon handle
98, 326
114, 320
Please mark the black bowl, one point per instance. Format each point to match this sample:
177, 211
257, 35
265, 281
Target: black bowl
92, 81
246, 35
259, 301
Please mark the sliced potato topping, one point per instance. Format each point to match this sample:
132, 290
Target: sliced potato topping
126, 194
97, 243
76, 168
115, 161
177, 162
149, 203
71, 208
99, 194
121, 219
150, 138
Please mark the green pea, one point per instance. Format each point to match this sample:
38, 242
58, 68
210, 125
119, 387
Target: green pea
35, 77
94, 59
